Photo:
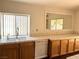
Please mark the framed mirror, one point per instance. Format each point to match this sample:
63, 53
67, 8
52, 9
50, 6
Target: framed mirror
58, 21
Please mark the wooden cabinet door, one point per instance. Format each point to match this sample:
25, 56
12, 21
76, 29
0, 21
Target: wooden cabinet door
27, 50
55, 48
9, 51
71, 45
77, 45
64, 47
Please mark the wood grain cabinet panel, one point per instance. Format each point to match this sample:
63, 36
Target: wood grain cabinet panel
76, 44
71, 45
9, 51
54, 48
64, 44
27, 50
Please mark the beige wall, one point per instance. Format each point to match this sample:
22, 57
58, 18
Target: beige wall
76, 22
0, 10
37, 14
0, 5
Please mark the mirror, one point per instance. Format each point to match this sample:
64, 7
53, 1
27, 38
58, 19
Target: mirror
58, 21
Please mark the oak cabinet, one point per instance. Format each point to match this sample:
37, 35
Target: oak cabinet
71, 43
9, 51
54, 48
62, 47
64, 44
23, 50
27, 50
76, 44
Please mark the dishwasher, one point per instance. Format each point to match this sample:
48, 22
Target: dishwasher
41, 47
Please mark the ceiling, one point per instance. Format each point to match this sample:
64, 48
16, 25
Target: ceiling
67, 4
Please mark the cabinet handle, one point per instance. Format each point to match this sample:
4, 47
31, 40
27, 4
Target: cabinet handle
3, 57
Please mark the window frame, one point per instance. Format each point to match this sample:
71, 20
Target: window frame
56, 28
15, 14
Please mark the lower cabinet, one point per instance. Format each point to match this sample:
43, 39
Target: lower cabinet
64, 46
58, 47
27, 50
24, 50
76, 44
71, 45
9, 51
54, 48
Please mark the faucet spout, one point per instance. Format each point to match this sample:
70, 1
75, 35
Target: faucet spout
17, 33
8, 36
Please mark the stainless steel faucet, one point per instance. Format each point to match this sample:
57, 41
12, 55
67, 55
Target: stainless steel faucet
8, 36
17, 32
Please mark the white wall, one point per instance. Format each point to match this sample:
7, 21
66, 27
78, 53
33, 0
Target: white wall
37, 14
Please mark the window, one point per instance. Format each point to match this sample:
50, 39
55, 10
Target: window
9, 24
14, 24
56, 24
22, 25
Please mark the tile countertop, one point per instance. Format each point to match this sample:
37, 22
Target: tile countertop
67, 36
4, 41
51, 37
9, 41
59, 37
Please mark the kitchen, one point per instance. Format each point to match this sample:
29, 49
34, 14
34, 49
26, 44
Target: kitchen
38, 28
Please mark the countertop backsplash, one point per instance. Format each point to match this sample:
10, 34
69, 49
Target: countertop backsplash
59, 32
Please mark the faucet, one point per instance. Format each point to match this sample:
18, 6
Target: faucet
17, 32
8, 36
